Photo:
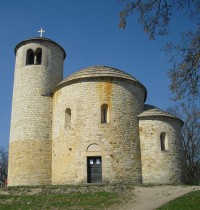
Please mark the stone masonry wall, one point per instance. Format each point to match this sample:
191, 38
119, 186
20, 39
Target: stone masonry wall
163, 167
29, 162
117, 142
31, 121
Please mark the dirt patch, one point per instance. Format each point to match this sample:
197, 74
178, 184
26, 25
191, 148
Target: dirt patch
149, 198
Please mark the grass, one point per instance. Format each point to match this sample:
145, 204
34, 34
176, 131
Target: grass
86, 201
190, 201
80, 197
83, 197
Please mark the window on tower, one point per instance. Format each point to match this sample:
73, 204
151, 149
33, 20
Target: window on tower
38, 56
163, 141
34, 57
104, 113
29, 57
68, 118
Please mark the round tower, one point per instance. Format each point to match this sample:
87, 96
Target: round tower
161, 146
95, 127
38, 69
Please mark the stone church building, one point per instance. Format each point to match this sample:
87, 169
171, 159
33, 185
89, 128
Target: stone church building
91, 127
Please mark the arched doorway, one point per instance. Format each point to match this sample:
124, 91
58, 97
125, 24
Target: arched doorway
94, 169
94, 164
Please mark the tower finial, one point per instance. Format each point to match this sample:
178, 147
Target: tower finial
41, 31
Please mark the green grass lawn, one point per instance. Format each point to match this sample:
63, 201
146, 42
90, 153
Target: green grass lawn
97, 200
190, 201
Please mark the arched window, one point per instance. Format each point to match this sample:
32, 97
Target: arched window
34, 57
68, 118
163, 141
38, 56
104, 113
29, 57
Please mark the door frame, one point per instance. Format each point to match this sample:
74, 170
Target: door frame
89, 173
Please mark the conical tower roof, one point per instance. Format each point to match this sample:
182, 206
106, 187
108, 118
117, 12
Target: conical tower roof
152, 111
100, 72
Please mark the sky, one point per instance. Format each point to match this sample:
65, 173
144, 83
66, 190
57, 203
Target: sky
88, 31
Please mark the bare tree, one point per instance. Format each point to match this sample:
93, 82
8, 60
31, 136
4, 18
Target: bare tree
155, 16
3, 164
190, 113
185, 71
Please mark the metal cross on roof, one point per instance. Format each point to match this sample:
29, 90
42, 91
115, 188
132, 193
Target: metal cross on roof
41, 31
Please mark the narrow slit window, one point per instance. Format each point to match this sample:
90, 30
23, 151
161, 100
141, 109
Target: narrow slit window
104, 113
163, 141
29, 57
68, 118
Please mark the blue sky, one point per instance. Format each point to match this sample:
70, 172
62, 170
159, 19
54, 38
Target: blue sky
88, 31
